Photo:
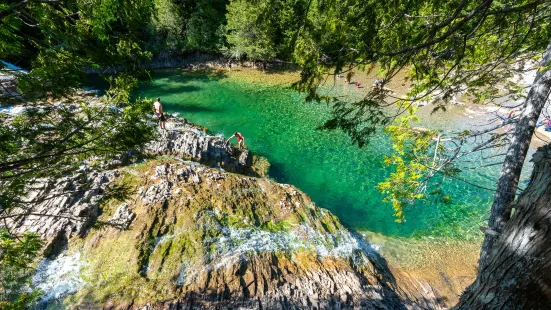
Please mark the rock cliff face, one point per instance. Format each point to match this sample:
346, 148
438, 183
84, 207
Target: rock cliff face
67, 207
199, 237
61, 208
189, 236
188, 141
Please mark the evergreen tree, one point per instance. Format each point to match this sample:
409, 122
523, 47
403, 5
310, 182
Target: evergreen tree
264, 30
251, 30
188, 25
448, 47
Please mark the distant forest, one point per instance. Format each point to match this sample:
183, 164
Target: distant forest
259, 30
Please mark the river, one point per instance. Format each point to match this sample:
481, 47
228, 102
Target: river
337, 175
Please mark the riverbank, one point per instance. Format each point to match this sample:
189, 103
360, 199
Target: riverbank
198, 235
459, 112
445, 266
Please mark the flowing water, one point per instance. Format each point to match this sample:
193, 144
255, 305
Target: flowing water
279, 125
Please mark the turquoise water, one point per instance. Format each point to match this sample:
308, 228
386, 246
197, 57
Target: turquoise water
279, 125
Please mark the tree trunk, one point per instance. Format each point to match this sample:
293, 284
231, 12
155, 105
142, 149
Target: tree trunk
514, 159
518, 272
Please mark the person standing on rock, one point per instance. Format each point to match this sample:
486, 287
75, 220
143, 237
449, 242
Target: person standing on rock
240, 139
158, 112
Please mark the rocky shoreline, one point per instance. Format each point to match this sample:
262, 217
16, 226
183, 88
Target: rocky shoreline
202, 61
200, 228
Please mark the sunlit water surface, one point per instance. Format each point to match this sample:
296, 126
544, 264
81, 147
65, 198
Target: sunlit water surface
279, 125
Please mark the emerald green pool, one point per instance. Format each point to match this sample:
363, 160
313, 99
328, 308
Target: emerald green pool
279, 125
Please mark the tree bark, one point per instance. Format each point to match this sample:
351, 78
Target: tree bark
514, 159
518, 271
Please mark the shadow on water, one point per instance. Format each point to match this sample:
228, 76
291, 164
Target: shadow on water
276, 171
346, 210
167, 91
190, 108
394, 296
184, 75
281, 70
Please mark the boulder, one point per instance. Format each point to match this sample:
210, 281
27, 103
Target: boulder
62, 208
190, 142
122, 217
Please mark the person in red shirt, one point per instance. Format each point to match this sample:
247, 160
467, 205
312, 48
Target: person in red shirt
240, 139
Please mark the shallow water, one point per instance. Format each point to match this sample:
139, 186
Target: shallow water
279, 125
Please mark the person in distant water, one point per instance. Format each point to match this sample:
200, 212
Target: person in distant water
240, 139
158, 112
513, 114
379, 83
548, 124
546, 121
348, 79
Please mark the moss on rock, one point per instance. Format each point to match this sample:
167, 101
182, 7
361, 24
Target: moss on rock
203, 231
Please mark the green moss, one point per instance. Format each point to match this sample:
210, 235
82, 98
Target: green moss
260, 165
132, 266
282, 226
234, 222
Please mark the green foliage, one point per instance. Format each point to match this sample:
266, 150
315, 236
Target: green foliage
169, 24
405, 185
53, 141
251, 31
54, 74
420, 159
11, 43
17, 254
443, 47
187, 25
265, 29
205, 26
49, 141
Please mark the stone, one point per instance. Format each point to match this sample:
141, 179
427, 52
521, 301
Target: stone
63, 208
122, 217
199, 257
188, 141
234, 239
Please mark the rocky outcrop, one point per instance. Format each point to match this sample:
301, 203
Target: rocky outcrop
204, 238
123, 217
60, 209
188, 236
200, 61
188, 141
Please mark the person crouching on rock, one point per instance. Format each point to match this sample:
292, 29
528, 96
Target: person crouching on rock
240, 139
158, 112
